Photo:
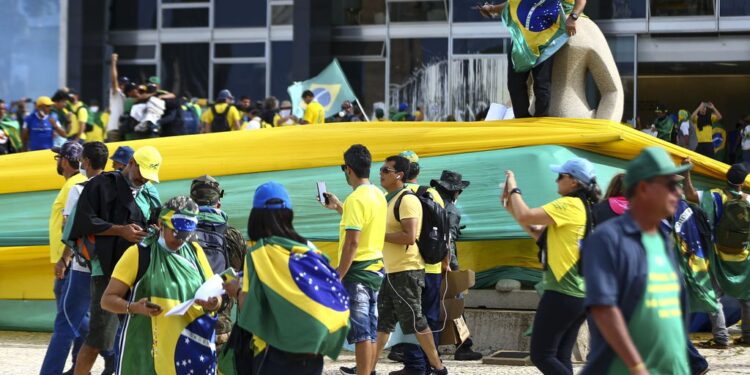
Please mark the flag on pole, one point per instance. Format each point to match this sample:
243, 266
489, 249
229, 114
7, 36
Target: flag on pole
330, 88
537, 29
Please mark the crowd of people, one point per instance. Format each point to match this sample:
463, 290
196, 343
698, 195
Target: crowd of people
702, 130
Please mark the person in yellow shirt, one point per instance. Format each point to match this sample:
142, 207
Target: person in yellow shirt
314, 113
400, 299
79, 115
704, 117
285, 116
360, 257
222, 116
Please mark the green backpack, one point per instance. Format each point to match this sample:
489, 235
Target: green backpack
733, 229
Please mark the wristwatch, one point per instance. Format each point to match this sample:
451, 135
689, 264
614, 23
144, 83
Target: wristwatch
514, 191
574, 16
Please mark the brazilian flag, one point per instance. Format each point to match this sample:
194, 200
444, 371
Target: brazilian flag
13, 131
719, 139
295, 301
537, 28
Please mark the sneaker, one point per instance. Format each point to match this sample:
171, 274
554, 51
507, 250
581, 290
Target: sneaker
407, 371
464, 353
712, 344
352, 371
444, 371
396, 356
741, 342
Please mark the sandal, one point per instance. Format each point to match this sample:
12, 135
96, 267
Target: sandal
712, 344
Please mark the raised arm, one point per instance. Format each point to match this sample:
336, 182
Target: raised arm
113, 74
718, 114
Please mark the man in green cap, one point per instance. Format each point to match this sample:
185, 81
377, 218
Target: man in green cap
223, 244
633, 290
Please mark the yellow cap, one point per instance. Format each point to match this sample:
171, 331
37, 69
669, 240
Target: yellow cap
44, 100
148, 159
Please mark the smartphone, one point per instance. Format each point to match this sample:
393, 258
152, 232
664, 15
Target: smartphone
152, 305
504, 195
321, 193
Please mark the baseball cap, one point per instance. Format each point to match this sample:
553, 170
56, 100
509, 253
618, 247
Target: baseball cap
403, 107
651, 162
181, 215
411, 155
123, 154
271, 190
155, 80
149, 161
205, 190
44, 100
123, 80
224, 95
70, 150
580, 168
737, 174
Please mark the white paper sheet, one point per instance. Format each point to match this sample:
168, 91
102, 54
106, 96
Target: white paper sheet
213, 287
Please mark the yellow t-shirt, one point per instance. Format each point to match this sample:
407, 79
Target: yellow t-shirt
315, 113
126, 269
707, 134
56, 247
232, 116
563, 246
397, 257
364, 211
78, 118
437, 267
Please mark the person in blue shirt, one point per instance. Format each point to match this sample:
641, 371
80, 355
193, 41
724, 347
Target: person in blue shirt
39, 127
634, 293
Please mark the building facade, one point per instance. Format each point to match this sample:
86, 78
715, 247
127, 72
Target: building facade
438, 55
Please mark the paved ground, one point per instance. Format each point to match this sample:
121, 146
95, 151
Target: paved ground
22, 353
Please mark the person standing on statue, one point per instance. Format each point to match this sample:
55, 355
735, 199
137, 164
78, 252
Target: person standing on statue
537, 33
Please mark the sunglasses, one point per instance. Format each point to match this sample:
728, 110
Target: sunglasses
385, 169
562, 175
343, 167
671, 185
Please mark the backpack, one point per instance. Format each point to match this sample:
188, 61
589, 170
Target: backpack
220, 123
190, 120
434, 238
212, 238
733, 229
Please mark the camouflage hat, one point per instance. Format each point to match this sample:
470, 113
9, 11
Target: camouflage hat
181, 215
205, 190
70, 150
411, 155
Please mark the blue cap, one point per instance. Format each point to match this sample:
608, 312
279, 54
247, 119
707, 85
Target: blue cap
403, 107
224, 95
271, 190
581, 169
123, 154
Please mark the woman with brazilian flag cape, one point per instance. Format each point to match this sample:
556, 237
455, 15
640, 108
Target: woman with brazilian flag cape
160, 275
293, 301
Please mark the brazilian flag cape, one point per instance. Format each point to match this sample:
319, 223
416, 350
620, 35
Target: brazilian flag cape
732, 271
295, 301
537, 29
11, 128
692, 250
167, 345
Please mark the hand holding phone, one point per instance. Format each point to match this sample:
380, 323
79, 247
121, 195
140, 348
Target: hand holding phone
322, 196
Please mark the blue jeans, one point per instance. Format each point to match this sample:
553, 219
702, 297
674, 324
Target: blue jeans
71, 322
414, 356
363, 312
698, 364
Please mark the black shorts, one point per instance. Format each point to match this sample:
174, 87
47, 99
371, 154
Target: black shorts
102, 324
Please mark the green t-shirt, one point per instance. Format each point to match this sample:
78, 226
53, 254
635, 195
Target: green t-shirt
656, 327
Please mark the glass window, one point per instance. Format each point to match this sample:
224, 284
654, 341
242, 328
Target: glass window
135, 52
184, 69
478, 46
735, 8
418, 71
358, 49
241, 80
476, 83
282, 14
463, 11
240, 13
197, 17
281, 68
418, 11
367, 79
615, 9
357, 12
184, 1
132, 15
136, 73
240, 50
682, 7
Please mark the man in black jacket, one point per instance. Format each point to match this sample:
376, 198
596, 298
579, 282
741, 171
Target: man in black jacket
113, 213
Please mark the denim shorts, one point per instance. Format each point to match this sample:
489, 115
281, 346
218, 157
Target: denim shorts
363, 312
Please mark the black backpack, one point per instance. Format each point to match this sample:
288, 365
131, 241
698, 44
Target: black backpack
434, 237
220, 123
212, 238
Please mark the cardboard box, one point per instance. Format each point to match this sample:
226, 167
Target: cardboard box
451, 313
455, 332
458, 282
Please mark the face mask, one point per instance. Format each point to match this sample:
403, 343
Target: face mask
161, 241
285, 112
94, 109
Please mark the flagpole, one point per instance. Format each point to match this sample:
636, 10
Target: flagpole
363, 111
